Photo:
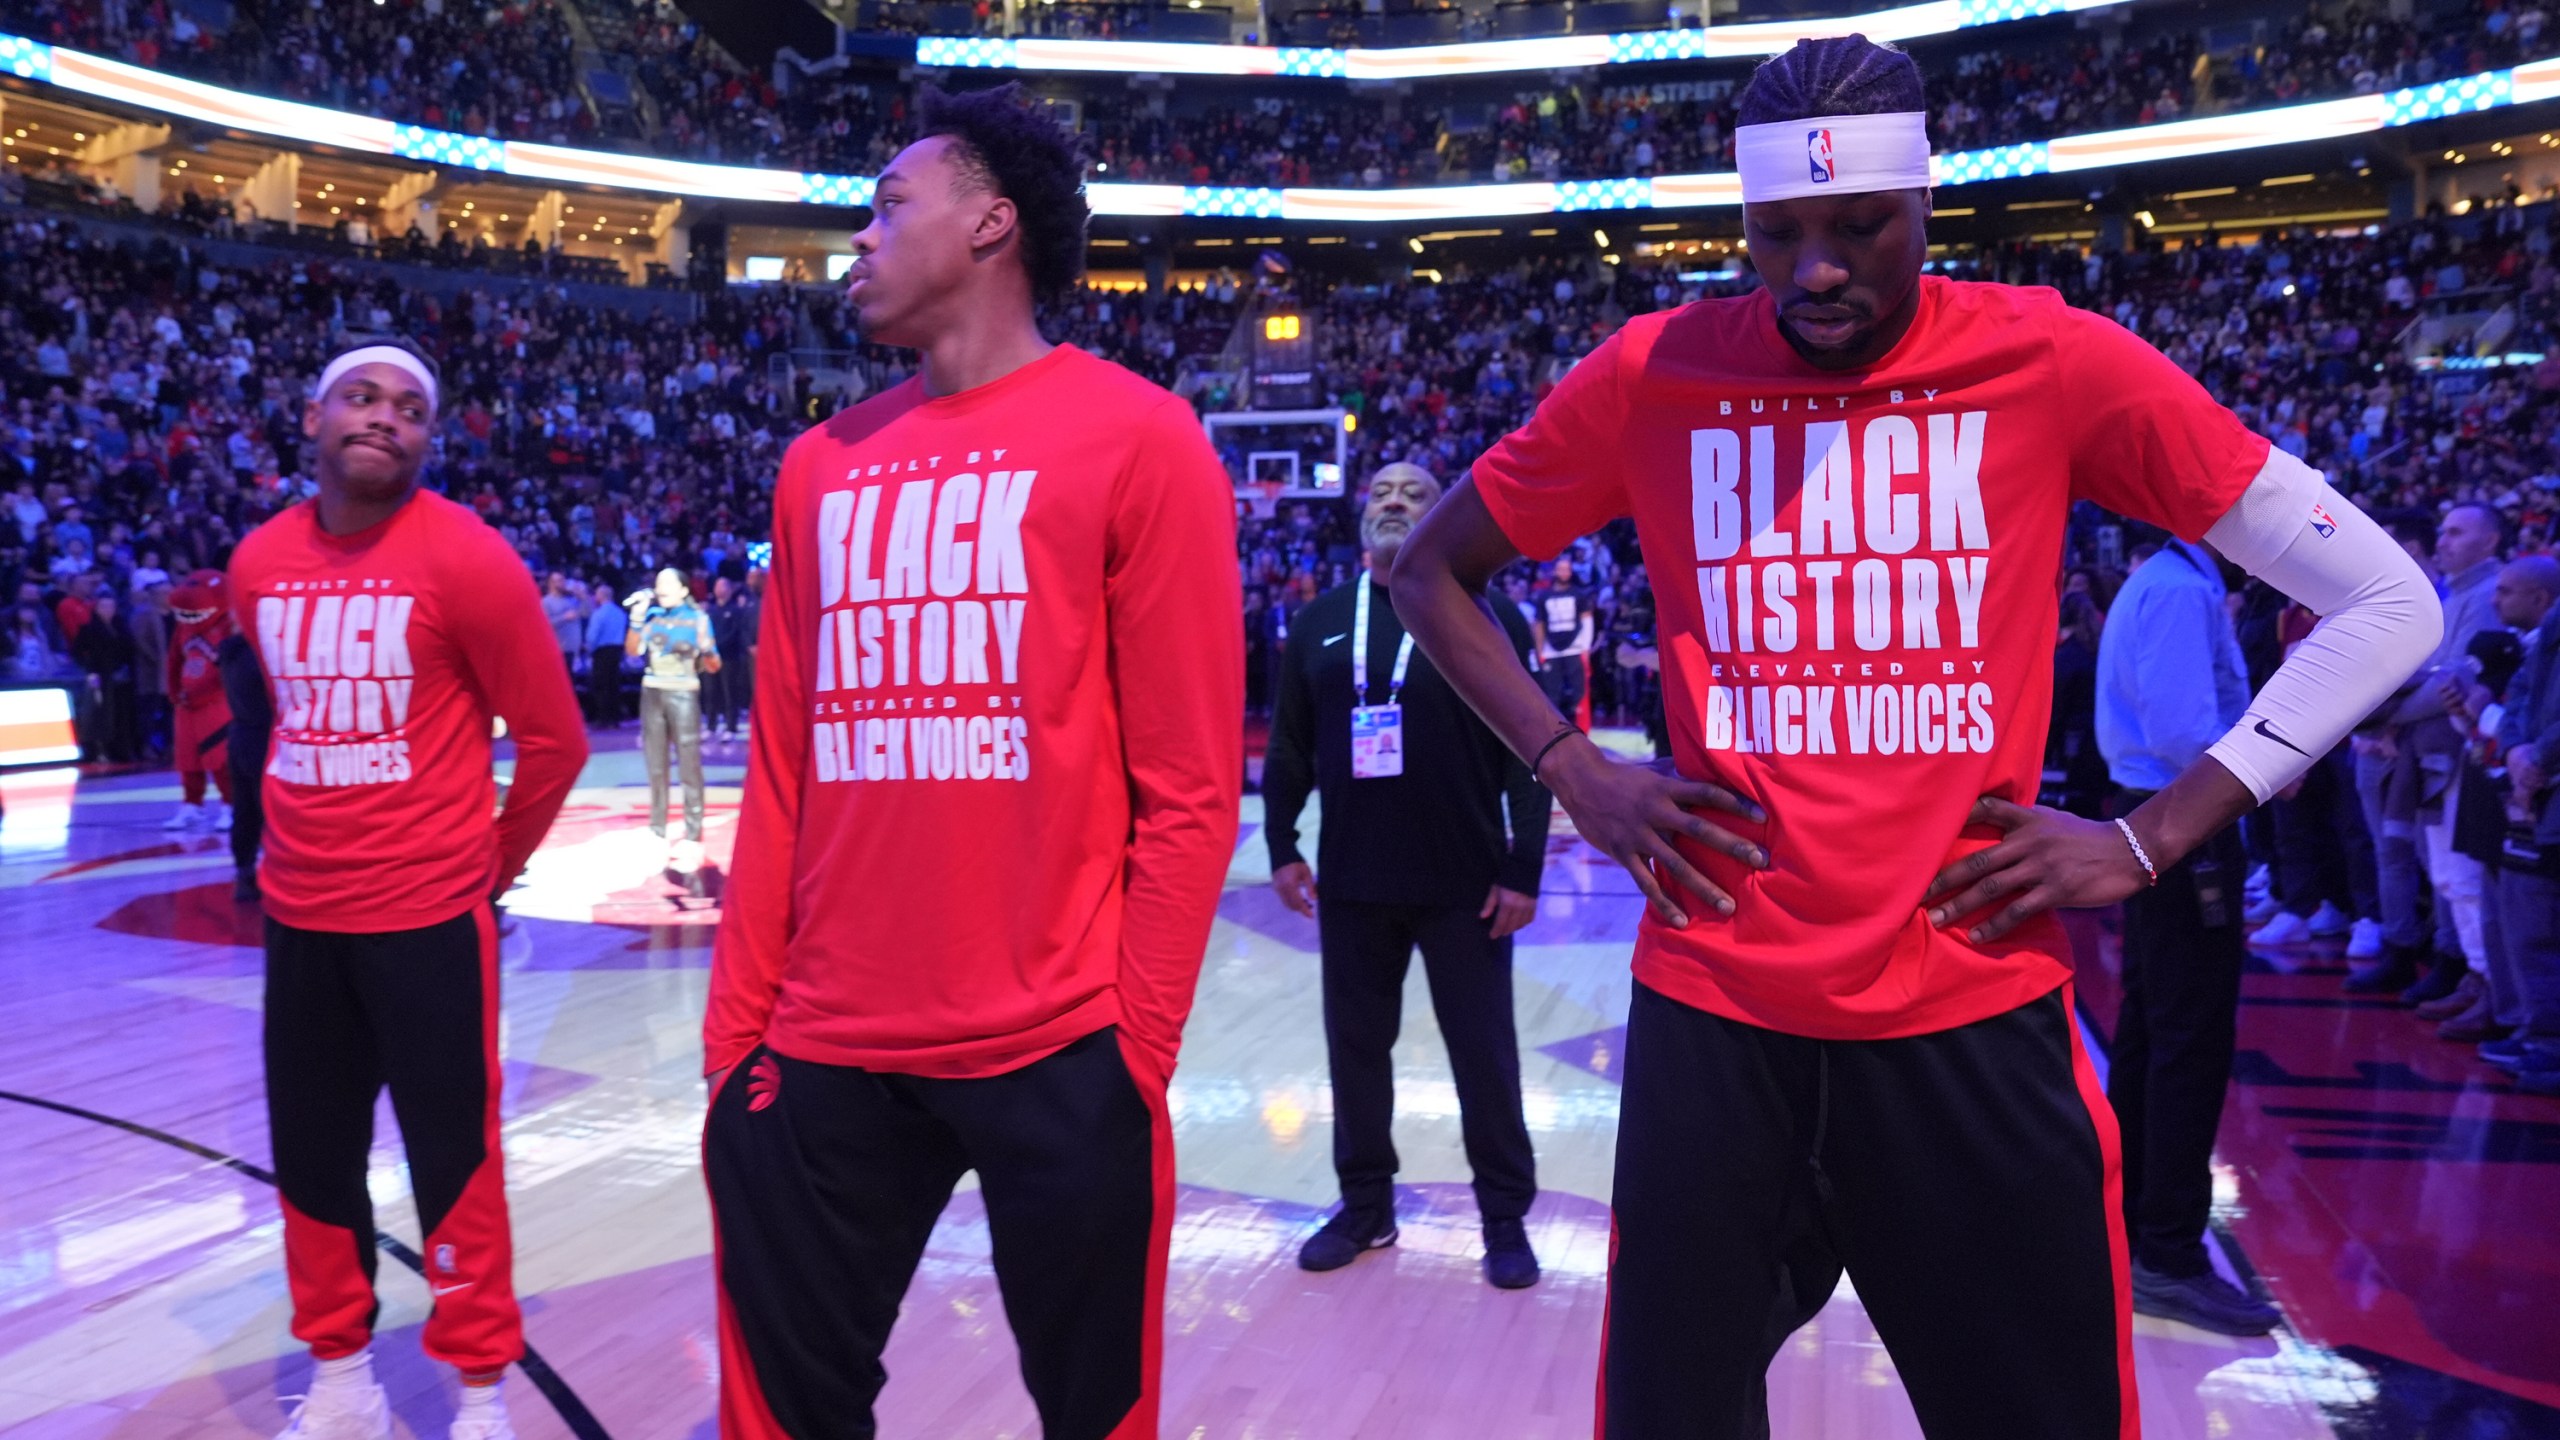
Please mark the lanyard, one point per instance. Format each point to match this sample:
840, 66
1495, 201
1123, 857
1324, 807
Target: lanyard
1360, 651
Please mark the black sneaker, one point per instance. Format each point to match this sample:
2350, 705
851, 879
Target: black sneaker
1509, 1263
2396, 971
2443, 976
2206, 1301
2506, 1054
1346, 1237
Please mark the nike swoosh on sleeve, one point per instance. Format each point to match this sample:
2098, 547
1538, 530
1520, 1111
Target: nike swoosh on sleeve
2289, 745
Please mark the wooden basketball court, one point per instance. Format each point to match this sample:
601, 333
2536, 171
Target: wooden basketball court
142, 1291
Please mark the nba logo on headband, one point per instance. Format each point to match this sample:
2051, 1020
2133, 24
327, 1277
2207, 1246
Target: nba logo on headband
1832, 155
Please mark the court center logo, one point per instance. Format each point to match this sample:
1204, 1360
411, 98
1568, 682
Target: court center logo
1824, 159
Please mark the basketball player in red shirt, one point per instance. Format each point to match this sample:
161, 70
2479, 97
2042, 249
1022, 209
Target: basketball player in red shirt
1851, 1045
393, 626
990, 807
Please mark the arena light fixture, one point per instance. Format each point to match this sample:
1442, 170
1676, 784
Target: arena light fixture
212, 104
1488, 57
2525, 84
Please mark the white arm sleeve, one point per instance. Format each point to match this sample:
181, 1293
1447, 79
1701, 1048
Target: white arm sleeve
2380, 619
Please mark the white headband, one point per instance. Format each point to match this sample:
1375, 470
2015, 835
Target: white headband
1833, 155
378, 355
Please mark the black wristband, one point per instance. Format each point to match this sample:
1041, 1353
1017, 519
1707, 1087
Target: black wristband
1553, 741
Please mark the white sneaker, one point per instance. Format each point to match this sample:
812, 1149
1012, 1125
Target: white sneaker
2286, 929
217, 815
341, 1412
484, 1420
188, 817
2262, 910
2365, 943
2329, 922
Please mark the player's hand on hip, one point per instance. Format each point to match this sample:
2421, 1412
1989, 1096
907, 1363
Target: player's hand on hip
2525, 768
1296, 885
1630, 813
2047, 859
1509, 910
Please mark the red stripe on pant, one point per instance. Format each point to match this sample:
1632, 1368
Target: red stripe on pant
1600, 1386
476, 1325
2102, 1117
1140, 1423
328, 1272
744, 1415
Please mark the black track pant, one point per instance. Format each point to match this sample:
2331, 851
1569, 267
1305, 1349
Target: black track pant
416, 1010
2170, 1065
253, 722
604, 685
1367, 950
825, 1184
1965, 1180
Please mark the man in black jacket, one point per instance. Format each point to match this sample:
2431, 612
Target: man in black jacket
1414, 853
734, 616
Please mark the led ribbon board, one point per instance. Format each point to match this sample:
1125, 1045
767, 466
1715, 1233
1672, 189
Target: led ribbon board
559, 164
1484, 57
35, 727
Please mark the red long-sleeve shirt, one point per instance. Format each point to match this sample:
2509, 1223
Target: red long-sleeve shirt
388, 652
998, 740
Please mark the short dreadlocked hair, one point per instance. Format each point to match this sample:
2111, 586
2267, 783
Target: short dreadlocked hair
1005, 142
1838, 75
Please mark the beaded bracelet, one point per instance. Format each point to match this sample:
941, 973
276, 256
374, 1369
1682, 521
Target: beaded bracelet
2141, 856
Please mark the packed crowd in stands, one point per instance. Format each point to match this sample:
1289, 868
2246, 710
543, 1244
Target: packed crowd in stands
157, 395
507, 70
500, 70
